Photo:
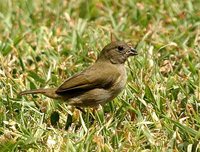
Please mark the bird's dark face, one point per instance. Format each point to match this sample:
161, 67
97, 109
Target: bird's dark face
117, 52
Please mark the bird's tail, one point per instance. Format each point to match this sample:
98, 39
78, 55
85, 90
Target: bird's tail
49, 92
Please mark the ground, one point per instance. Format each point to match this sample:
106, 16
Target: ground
44, 42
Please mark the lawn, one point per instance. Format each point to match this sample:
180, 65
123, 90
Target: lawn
44, 42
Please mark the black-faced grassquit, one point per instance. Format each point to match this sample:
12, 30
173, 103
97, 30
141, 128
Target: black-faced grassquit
97, 84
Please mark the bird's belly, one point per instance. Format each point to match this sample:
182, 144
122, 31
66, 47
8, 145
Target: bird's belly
91, 98
97, 96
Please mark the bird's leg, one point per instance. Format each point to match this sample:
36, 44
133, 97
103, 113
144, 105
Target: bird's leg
83, 111
69, 118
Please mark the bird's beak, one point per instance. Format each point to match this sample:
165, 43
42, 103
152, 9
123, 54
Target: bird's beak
132, 51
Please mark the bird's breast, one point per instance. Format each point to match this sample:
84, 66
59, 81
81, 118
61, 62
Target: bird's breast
120, 82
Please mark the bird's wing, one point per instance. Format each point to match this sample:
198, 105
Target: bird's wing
93, 77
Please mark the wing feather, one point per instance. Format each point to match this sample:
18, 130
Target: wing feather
93, 77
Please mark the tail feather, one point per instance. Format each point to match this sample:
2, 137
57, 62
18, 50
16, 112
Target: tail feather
35, 91
47, 92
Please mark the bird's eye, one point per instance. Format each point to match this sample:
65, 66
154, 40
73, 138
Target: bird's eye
120, 48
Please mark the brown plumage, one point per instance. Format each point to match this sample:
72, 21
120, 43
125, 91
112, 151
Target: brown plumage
99, 83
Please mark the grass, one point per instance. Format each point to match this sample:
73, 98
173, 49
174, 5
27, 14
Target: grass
44, 42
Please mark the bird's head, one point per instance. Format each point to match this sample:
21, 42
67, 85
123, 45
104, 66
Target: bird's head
117, 52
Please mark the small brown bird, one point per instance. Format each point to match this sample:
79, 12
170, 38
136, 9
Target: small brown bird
99, 83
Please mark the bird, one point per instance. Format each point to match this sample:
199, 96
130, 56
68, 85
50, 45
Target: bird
97, 84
